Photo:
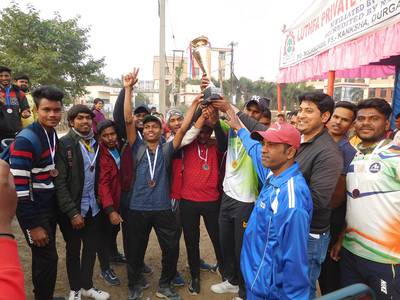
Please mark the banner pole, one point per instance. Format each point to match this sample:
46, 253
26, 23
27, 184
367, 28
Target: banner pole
331, 83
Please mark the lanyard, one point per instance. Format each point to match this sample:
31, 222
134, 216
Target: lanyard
237, 150
52, 150
152, 169
199, 153
91, 162
140, 135
8, 98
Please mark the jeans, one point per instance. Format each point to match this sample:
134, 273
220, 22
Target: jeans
317, 249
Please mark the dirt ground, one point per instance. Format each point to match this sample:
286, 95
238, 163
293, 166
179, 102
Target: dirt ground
153, 259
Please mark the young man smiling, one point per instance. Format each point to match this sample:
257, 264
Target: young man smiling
150, 204
81, 220
370, 252
32, 163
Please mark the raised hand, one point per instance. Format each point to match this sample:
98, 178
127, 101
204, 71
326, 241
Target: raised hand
131, 79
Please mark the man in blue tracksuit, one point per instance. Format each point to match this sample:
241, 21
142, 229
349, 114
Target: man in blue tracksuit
274, 252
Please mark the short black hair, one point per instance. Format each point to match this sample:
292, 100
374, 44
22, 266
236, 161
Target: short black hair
323, 101
5, 69
103, 125
379, 104
266, 114
152, 118
97, 100
21, 76
49, 92
78, 109
348, 105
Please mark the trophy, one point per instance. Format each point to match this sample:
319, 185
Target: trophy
200, 51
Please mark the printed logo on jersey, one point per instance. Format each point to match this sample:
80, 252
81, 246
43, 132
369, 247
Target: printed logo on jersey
375, 167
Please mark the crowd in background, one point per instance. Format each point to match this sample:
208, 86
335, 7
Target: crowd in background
287, 201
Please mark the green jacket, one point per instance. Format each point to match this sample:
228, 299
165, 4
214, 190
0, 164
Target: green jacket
71, 177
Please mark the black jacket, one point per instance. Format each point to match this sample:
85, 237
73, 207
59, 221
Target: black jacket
69, 183
321, 164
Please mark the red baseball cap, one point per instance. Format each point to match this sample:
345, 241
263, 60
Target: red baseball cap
284, 133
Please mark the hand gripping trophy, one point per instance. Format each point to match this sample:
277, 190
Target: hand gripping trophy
200, 50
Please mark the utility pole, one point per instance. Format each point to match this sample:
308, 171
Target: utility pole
232, 44
162, 57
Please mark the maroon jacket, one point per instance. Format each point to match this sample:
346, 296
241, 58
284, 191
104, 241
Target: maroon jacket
109, 187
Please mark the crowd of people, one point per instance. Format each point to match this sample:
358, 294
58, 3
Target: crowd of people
287, 202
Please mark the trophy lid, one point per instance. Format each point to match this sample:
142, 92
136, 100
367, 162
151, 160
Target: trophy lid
200, 41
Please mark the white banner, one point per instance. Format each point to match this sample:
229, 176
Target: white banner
331, 22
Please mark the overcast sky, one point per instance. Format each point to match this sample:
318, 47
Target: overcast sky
126, 32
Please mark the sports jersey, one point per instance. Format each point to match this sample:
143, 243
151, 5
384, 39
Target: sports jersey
240, 182
373, 204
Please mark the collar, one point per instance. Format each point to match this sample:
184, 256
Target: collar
370, 149
278, 181
323, 131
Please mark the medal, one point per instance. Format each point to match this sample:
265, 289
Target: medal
355, 193
234, 164
152, 168
205, 165
9, 110
54, 173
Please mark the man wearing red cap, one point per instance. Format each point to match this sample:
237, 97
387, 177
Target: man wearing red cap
274, 259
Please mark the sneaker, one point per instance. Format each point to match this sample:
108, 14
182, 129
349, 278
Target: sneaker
167, 293
74, 295
147, 270
95, 293
110, 277
194, 286
136, 293
237, 298
118, 259
178, 280
224, 287
214, 268
204, 266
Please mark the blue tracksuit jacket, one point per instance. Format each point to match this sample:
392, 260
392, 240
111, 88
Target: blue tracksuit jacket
274, 252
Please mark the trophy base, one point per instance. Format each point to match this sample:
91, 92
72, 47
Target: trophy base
211, 93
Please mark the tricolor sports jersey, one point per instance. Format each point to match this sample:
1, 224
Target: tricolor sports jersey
240, 182
373, 205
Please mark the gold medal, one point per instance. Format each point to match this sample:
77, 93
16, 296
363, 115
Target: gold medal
234, 164
152, 183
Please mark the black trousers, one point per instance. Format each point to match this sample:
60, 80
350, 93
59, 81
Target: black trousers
233, 217
190, 212
80, 265
383, 279
109, 233
178, 233
44, 261
140, 224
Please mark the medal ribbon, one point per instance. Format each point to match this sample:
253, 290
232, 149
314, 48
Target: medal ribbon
117, 159
140, 135
152, 169
52, 150
8, 97
86, 150
201, 157
236, 149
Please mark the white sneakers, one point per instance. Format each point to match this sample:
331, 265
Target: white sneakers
224, 287
74, 295
96, 294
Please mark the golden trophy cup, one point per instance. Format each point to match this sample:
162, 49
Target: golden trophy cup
200, 50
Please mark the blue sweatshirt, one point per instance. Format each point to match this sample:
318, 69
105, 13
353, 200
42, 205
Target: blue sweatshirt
274, 260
